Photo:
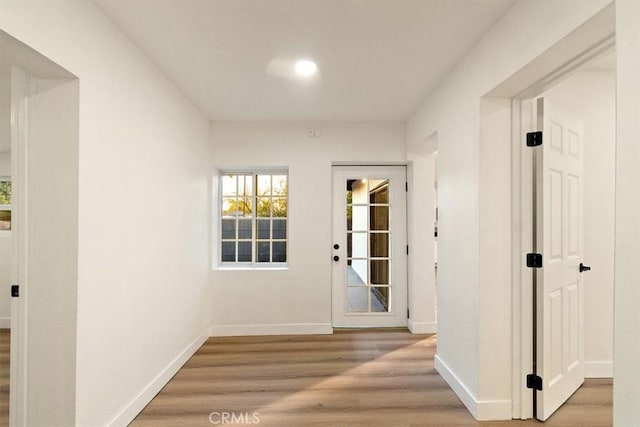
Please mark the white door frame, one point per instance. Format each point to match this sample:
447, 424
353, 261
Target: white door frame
399, 299
524, 118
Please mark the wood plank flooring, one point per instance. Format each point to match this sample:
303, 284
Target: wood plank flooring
351, 378
5, 343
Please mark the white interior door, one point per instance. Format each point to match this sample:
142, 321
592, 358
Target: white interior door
369, 248
559, 234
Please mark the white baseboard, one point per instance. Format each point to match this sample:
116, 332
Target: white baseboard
482, 410
5, 323
149, 392
274, 329
422, 327
598, 369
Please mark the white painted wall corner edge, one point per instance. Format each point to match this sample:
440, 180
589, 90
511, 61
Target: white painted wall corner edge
272, 329
422, 327
482, 410
153, 388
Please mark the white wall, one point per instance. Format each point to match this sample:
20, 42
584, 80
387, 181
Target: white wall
297, 300
626, 384
144, 206
591, 97
474, 352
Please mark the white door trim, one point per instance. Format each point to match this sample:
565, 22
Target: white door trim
397, 247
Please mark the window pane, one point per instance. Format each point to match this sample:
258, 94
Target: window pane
264, 252
264, 229
228, 228
379, 217
244, 229
229, 207
279, 252
279, 186
264, 185
264, 207
5, 220
229, 185
379, 244
279, 228
245, 185
228, 251
5, 192
244, 251
279, 207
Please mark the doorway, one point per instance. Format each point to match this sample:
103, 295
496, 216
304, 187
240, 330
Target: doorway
369, 249
569, 179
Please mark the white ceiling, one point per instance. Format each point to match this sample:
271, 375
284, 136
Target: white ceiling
378, 59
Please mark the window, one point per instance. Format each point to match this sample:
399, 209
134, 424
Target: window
253, 219
5, 204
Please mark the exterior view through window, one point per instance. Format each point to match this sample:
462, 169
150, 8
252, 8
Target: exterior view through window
253, 224
5, 204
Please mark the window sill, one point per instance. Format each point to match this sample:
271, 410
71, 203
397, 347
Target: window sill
250, 268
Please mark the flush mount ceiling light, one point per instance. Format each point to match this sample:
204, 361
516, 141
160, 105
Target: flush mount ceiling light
299, 70
306, 68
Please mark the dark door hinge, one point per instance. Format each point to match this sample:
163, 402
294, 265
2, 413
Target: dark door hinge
408, 317
406, 186
407, 249
534, 139
534, 260
534, 382
15, 291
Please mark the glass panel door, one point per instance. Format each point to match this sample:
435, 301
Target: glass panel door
369, 248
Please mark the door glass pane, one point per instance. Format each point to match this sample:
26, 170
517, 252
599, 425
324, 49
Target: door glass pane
357, 299
368, 239
359, 245
358, 218
379, 245
357, 272
380, 299
380, 272
380, 195
379, 217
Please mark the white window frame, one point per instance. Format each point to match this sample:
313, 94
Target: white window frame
218, 240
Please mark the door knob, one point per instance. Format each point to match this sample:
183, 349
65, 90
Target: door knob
336, 246
584, 267
336, 258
